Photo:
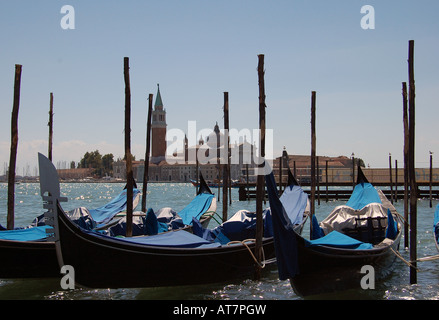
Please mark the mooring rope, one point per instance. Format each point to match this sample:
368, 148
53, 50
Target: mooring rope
262, 265
403, 260
212, 215
431, 258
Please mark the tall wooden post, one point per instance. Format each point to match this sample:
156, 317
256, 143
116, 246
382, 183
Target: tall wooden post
280, 174
129, 169
390, 177
353, 171
14, 146
294, 168
326, 170
313, 157
406, 165
413, 187
396, 180
148, 148
260, 190
431, 178
246, 181
50, 124
196, 171
218, 168
226, 161
318, 180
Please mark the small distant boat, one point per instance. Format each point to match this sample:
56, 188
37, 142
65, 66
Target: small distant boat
364, 232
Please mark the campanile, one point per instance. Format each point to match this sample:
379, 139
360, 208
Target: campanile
158, 130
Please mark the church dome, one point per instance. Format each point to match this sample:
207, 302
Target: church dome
215, 139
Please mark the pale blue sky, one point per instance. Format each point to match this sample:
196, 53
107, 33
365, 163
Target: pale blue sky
197, 50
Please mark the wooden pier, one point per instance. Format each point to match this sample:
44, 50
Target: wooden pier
342, 191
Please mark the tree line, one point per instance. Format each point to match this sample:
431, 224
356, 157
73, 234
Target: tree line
102, 164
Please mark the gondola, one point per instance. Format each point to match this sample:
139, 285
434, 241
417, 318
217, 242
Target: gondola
202, 208
27, 253
167, 259
364, 232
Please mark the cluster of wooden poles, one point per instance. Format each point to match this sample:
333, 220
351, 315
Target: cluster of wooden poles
410, 196
410, 187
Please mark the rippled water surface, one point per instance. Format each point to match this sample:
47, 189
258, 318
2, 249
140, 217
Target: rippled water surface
28, 205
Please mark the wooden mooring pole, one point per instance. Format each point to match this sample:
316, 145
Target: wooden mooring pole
406, 165
280, 174
326, 171
14, 146
129, 169
148, 148
313, 158
396, 180
431, 178
413, 187
197, 172
260, 189
50, 124
390, 175
226, 155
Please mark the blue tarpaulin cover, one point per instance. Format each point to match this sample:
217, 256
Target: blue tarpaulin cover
240, 227
294, 201
174, 239
339, 240
392, 226
28, 234
196, 208
363, 194
317, 231
283, 231
166, 219
105, 213
141, 225
81, 216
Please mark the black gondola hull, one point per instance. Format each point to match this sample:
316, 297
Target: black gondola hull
28, 259
324, 269
110, 263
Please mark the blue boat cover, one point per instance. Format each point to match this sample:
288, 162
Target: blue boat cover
105, 213
166, 219
294, 201
81, 216
27, 234
196, 208
204, 233
141, 225
169, 217
392, 226
317, 231
339, 240
285, 242
240, 227
174, 239
363, 194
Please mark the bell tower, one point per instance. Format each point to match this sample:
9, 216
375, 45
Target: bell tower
158, 130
